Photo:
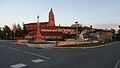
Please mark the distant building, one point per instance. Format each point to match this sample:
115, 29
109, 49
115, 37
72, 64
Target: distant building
104, 35
48, 29
100, 35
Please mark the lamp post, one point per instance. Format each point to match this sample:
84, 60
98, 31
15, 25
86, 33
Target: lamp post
6, 36
76, 23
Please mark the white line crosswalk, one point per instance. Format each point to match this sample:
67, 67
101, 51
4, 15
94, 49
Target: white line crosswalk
37, 60
20, 65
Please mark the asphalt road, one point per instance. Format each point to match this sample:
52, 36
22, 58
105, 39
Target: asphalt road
20, 56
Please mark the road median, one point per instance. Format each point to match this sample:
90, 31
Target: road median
89, 47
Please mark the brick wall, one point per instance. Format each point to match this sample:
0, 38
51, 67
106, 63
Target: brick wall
61, 43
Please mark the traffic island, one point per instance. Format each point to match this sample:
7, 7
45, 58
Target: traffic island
37, 44
86, 45
65, 44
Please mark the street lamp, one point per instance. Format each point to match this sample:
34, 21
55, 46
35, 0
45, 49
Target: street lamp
76, 23
6, 36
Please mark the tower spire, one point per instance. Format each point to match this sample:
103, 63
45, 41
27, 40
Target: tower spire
51, 10
51, 18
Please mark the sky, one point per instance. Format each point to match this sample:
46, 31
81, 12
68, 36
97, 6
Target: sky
99, 13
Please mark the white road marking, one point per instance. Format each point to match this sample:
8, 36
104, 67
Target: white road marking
18, 65
26, 52
37, 60
10, 48
36, 54
14, 49
116, 65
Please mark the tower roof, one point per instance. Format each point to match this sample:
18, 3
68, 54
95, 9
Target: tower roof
51, 11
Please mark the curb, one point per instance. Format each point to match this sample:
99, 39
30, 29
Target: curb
30, 45
35, 45
86, 47
40, 46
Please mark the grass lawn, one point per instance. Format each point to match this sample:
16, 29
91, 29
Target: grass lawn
86, 44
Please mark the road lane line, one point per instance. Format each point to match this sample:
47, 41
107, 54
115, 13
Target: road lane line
11, 48
37, 60
14, 49
27, 52
20, 65
36, 54
116, 65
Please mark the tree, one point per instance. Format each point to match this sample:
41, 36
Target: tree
113, 30
118, 30
20, 32
24, 31
19, 29
114, 33
1, 34
7, 32
118, 34
14, 26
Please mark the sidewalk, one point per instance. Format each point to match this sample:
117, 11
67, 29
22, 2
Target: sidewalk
38, 45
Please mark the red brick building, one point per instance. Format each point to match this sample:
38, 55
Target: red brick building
48, 29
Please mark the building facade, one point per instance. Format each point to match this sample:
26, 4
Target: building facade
48, 29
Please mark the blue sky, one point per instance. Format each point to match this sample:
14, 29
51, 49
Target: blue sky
99, 13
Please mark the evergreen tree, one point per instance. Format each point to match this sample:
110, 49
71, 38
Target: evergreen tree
118, 34
24, 30
7, 32
1, 34
119, 30
113, 31
14, 26
18, 29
